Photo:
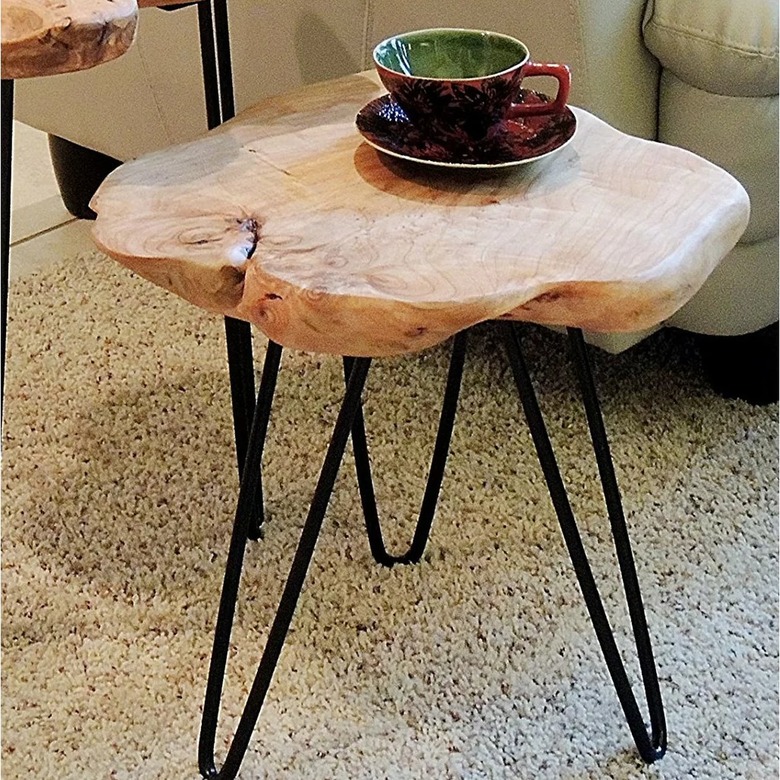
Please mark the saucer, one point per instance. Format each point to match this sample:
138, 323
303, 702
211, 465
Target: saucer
385, 126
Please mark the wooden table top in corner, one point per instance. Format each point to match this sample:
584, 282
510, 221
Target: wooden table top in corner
287, 218
42, 38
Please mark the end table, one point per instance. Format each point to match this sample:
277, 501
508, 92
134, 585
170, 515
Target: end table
285, 218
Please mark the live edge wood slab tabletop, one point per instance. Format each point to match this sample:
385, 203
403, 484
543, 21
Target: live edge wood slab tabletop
286, 218
48, 37
44, 38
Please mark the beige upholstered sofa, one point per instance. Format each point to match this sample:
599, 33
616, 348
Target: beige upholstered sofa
702, 74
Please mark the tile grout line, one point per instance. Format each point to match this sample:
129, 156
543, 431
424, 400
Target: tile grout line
42, 232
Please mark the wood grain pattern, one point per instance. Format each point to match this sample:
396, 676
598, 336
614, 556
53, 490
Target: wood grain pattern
286, 218
44, 37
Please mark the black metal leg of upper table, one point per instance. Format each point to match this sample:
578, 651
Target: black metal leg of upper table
292, 589
224, 63
220, 106
435, 473
651, 746
6, 143
208, 58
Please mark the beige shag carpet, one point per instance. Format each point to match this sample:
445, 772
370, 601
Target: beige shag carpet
119, 488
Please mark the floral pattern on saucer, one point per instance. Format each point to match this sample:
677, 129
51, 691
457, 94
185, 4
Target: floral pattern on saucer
385, 125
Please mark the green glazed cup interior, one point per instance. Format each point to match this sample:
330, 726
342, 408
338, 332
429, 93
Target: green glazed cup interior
450, 53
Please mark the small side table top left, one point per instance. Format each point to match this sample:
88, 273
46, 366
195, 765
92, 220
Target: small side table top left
43, 39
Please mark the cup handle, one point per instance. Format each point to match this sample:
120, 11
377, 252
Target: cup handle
559, 72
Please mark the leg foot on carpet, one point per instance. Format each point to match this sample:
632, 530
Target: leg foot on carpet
435, 473
244, 512
651, 746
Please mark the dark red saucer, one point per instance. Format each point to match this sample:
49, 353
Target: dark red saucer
385, 126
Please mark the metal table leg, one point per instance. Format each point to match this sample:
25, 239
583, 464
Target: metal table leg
295, 580
220, 106
651, 746
241, 368
7, 118
435, 474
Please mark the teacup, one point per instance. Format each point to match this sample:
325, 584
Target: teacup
450, 80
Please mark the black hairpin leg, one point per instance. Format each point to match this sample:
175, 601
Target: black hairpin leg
218, 90
241, 369
292, 588
224, 64
261, 418
6, 144
208, 58
435, 474
651, 746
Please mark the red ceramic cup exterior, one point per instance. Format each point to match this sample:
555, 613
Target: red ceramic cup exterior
559, 72
443, 104
465, 111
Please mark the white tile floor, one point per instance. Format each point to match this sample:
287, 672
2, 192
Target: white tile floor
42, 230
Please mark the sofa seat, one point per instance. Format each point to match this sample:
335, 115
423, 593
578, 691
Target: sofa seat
719, 98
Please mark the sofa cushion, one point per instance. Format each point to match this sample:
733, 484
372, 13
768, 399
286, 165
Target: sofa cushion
721, 46
736, 133
734, 299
